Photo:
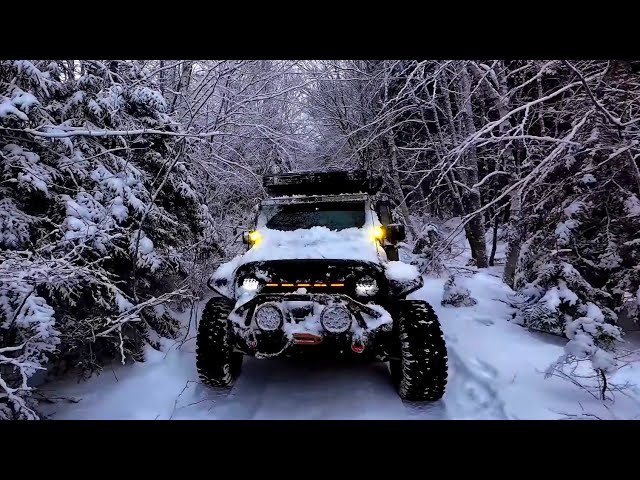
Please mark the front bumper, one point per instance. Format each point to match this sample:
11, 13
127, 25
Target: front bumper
370, 334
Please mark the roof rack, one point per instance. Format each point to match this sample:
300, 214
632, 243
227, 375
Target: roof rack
322, 183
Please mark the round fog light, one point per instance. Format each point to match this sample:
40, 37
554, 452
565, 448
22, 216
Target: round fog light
335, 319
268, 317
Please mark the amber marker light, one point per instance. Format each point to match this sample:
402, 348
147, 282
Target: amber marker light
377, 233
255, 236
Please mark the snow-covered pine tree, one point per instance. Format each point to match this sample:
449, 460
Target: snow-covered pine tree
95, 229
578, 268
455, 294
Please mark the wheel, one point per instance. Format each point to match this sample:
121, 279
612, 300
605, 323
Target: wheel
421, 372
218, 365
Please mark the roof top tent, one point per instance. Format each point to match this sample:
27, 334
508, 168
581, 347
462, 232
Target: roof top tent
322, 183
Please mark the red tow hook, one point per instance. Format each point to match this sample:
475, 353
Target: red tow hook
357, 346
252, 342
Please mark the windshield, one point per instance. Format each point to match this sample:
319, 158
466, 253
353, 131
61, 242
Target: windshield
333, 215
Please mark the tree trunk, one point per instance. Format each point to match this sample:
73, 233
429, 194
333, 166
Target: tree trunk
162, 74
476, 230
515, 240
396, 185
183, 83
494, 243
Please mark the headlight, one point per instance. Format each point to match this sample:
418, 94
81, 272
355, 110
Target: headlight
268, 317
366, 287
335, 319
255, 236
377, 233
250, 284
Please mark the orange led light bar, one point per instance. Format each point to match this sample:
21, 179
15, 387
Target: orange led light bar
304, 285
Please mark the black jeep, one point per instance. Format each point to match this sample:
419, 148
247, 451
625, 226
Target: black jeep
321, 275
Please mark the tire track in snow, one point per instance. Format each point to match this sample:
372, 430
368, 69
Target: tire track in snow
289, 389
285, 389
471, 392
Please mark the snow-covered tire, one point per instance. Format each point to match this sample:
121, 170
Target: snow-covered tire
421, 373
218, 365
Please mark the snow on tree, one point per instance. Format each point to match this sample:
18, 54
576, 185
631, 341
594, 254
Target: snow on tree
96, 229
455, 294
427, 249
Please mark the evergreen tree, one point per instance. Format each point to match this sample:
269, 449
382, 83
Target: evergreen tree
97, 225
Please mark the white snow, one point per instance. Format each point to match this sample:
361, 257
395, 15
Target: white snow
602, 360
315, 242
593, 311
400, 271
556, 295
14, 224
632, 204
149, 97
588, 179
123, 304
119, 211
8, 108
145, 246
24, 100
574, 208
135, 202
496, 372
563, 231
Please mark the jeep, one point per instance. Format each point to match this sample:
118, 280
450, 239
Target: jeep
321, 275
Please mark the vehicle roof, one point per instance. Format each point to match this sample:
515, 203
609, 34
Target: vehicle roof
349, 197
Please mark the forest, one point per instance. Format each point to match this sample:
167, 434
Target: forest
125, 184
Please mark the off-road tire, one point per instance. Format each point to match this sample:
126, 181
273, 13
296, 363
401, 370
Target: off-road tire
218, 365
421, 373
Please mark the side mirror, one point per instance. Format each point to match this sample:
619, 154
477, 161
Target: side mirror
396, 232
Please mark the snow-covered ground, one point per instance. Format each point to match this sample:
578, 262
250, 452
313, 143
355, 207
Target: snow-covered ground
496, 372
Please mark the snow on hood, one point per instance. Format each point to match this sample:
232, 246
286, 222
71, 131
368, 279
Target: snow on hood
312, 243
316, 243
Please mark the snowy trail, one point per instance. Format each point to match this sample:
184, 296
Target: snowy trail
495, 373
278, 389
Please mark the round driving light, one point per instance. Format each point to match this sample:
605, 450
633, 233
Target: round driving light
250, 284
335, 319
268, 317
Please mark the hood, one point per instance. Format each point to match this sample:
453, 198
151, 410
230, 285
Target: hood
316, 243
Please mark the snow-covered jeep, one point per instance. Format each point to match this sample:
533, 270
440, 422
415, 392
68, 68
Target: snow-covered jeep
322, 274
